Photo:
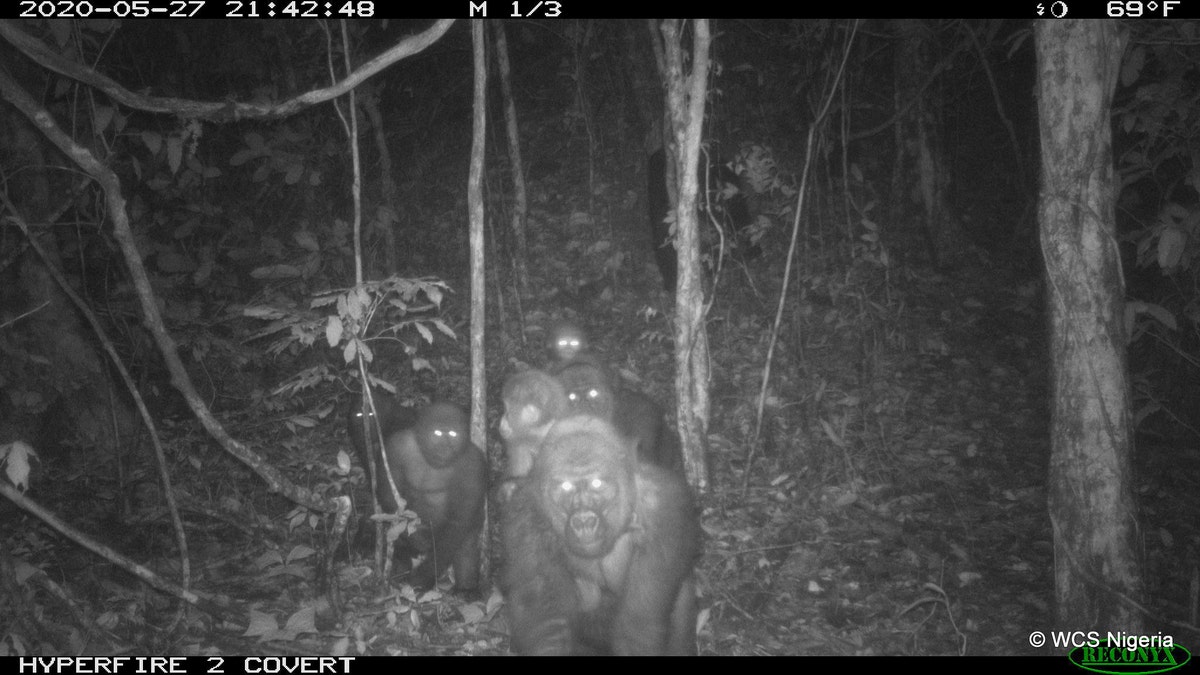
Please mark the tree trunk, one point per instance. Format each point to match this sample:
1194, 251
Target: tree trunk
369, 102
1097, 570
478, 291
686, 96
920, 182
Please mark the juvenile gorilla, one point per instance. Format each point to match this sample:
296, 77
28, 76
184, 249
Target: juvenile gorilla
443, 478
636, 416
533, 401
599, 550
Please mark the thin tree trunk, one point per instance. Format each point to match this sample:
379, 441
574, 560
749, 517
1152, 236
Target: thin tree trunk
920, 182
520, 202
387, 182
686, 96
478, 292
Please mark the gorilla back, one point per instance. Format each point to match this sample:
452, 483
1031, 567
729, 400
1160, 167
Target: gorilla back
599, 550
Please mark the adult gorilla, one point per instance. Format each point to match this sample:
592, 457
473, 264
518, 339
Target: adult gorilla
600, 549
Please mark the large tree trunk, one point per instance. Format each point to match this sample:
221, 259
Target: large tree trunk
1097, 569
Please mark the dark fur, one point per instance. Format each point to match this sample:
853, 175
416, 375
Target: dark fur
636, 416
394, 417
568, 344
566, 340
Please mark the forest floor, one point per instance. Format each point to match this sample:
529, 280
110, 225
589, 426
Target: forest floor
925, 530
907, 513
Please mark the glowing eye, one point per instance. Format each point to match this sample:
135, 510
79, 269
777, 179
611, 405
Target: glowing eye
566, 486
573, 396
596, 483
452, 433
593, 393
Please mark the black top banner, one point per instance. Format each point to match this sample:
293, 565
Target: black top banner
597, 9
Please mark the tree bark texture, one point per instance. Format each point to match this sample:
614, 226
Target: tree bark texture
1097, 567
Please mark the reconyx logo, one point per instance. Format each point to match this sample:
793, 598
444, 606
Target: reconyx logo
1119, 655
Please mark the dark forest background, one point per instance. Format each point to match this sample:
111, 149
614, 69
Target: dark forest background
892, 501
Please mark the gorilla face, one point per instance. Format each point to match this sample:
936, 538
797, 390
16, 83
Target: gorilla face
585, 476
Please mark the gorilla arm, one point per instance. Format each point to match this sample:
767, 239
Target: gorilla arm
463, 520
657, 610
538, 587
